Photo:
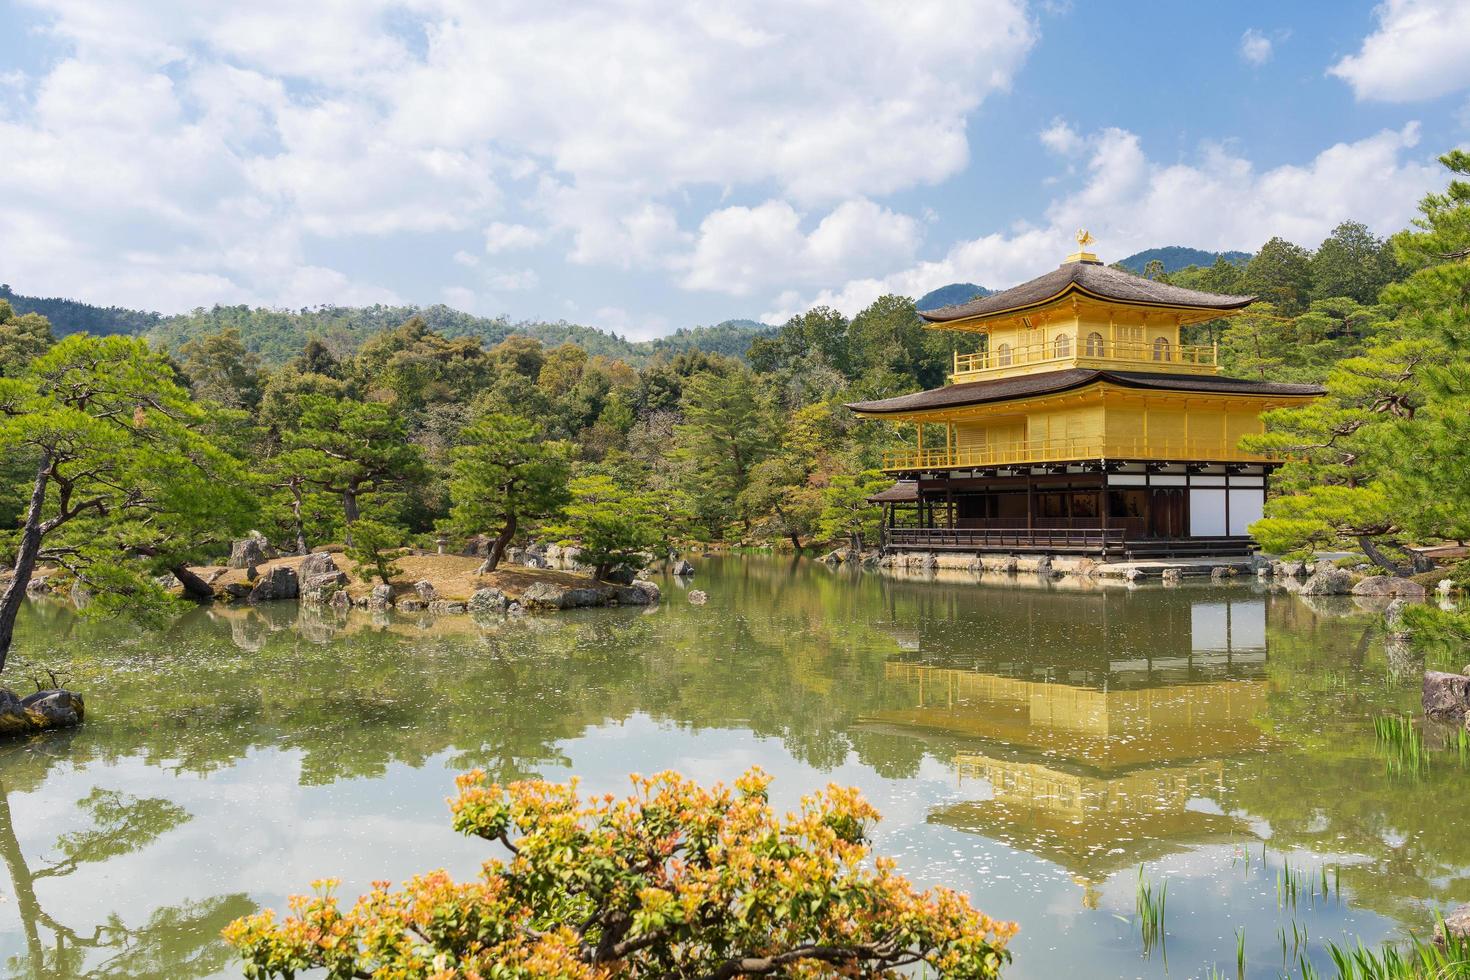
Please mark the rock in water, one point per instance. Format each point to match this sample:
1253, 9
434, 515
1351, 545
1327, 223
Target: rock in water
1328, 580
1446, 696
698, 597
1171, 576
649, 589
39, 712
487, 601
545, 595
682, 567
1389, 585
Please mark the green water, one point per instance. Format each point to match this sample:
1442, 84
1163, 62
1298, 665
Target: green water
1029, 743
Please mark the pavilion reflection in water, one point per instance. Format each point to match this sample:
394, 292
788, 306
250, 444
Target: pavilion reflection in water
1104, 750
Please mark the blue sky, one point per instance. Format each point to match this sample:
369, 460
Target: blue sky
643, 166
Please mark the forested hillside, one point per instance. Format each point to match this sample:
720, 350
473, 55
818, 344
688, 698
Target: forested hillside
954, 293
1175, 257
276, 336
69, 316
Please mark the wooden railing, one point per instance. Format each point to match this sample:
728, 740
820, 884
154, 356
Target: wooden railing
1198, 358
940, 539
1067, 450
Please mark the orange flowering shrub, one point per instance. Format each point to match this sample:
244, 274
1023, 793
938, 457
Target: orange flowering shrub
673, 880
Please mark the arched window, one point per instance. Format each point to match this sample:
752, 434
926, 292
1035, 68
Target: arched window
1062, 346
1003, 355
1161, 349
1094, 344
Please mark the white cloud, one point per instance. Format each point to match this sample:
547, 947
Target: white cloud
1061, 138
512, 280
1255, 47
175, 143
503, 237
743, 249
1218, 202
1420, 50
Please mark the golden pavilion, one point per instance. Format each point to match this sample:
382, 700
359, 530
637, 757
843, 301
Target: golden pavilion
1082, 425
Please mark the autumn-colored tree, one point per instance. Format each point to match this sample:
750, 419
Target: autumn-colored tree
674, 880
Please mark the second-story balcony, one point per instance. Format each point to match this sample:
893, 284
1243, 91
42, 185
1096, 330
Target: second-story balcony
1092, 352
1031, 451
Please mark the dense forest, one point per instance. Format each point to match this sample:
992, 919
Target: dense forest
397, 428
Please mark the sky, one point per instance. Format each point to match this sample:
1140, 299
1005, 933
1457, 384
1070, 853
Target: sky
643, 166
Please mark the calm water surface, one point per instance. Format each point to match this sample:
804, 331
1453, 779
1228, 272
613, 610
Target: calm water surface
1029, 743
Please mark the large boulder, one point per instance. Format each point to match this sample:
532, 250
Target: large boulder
381, 597
250, 551
684, 568
622, 575
546, 595
316, 563
426, 590
40, 711
324, 580
274, 584
1289, 569
1446, 695
650, 589
632, 595
1328, 580
1389, 585
487, 601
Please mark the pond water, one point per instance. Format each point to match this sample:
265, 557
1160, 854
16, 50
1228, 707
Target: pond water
1029, 743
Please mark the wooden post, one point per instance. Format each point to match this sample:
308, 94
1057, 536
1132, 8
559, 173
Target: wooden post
1030, 521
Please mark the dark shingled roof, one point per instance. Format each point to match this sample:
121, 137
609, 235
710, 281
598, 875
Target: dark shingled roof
901, 492
1027, 385
1089, 278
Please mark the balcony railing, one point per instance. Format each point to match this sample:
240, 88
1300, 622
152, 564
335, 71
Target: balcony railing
1066, 450
1201, 358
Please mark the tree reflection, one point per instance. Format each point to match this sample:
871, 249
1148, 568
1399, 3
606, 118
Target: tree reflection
174, 941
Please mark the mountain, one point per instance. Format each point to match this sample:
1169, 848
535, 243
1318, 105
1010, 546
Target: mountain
279, 335
955, 292
1176, 257
69, 316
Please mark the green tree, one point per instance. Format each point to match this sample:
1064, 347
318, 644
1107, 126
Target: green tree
726, 430
23, 338
1281, 274
781, 487
371, 542
1339, 451
351, 450
123, 482
504, 472
221, 370
675, 881
1353, 262
846, 512
610, 524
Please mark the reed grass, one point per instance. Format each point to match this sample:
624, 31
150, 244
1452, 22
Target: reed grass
1440, 958
1402, 745
1150, 901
